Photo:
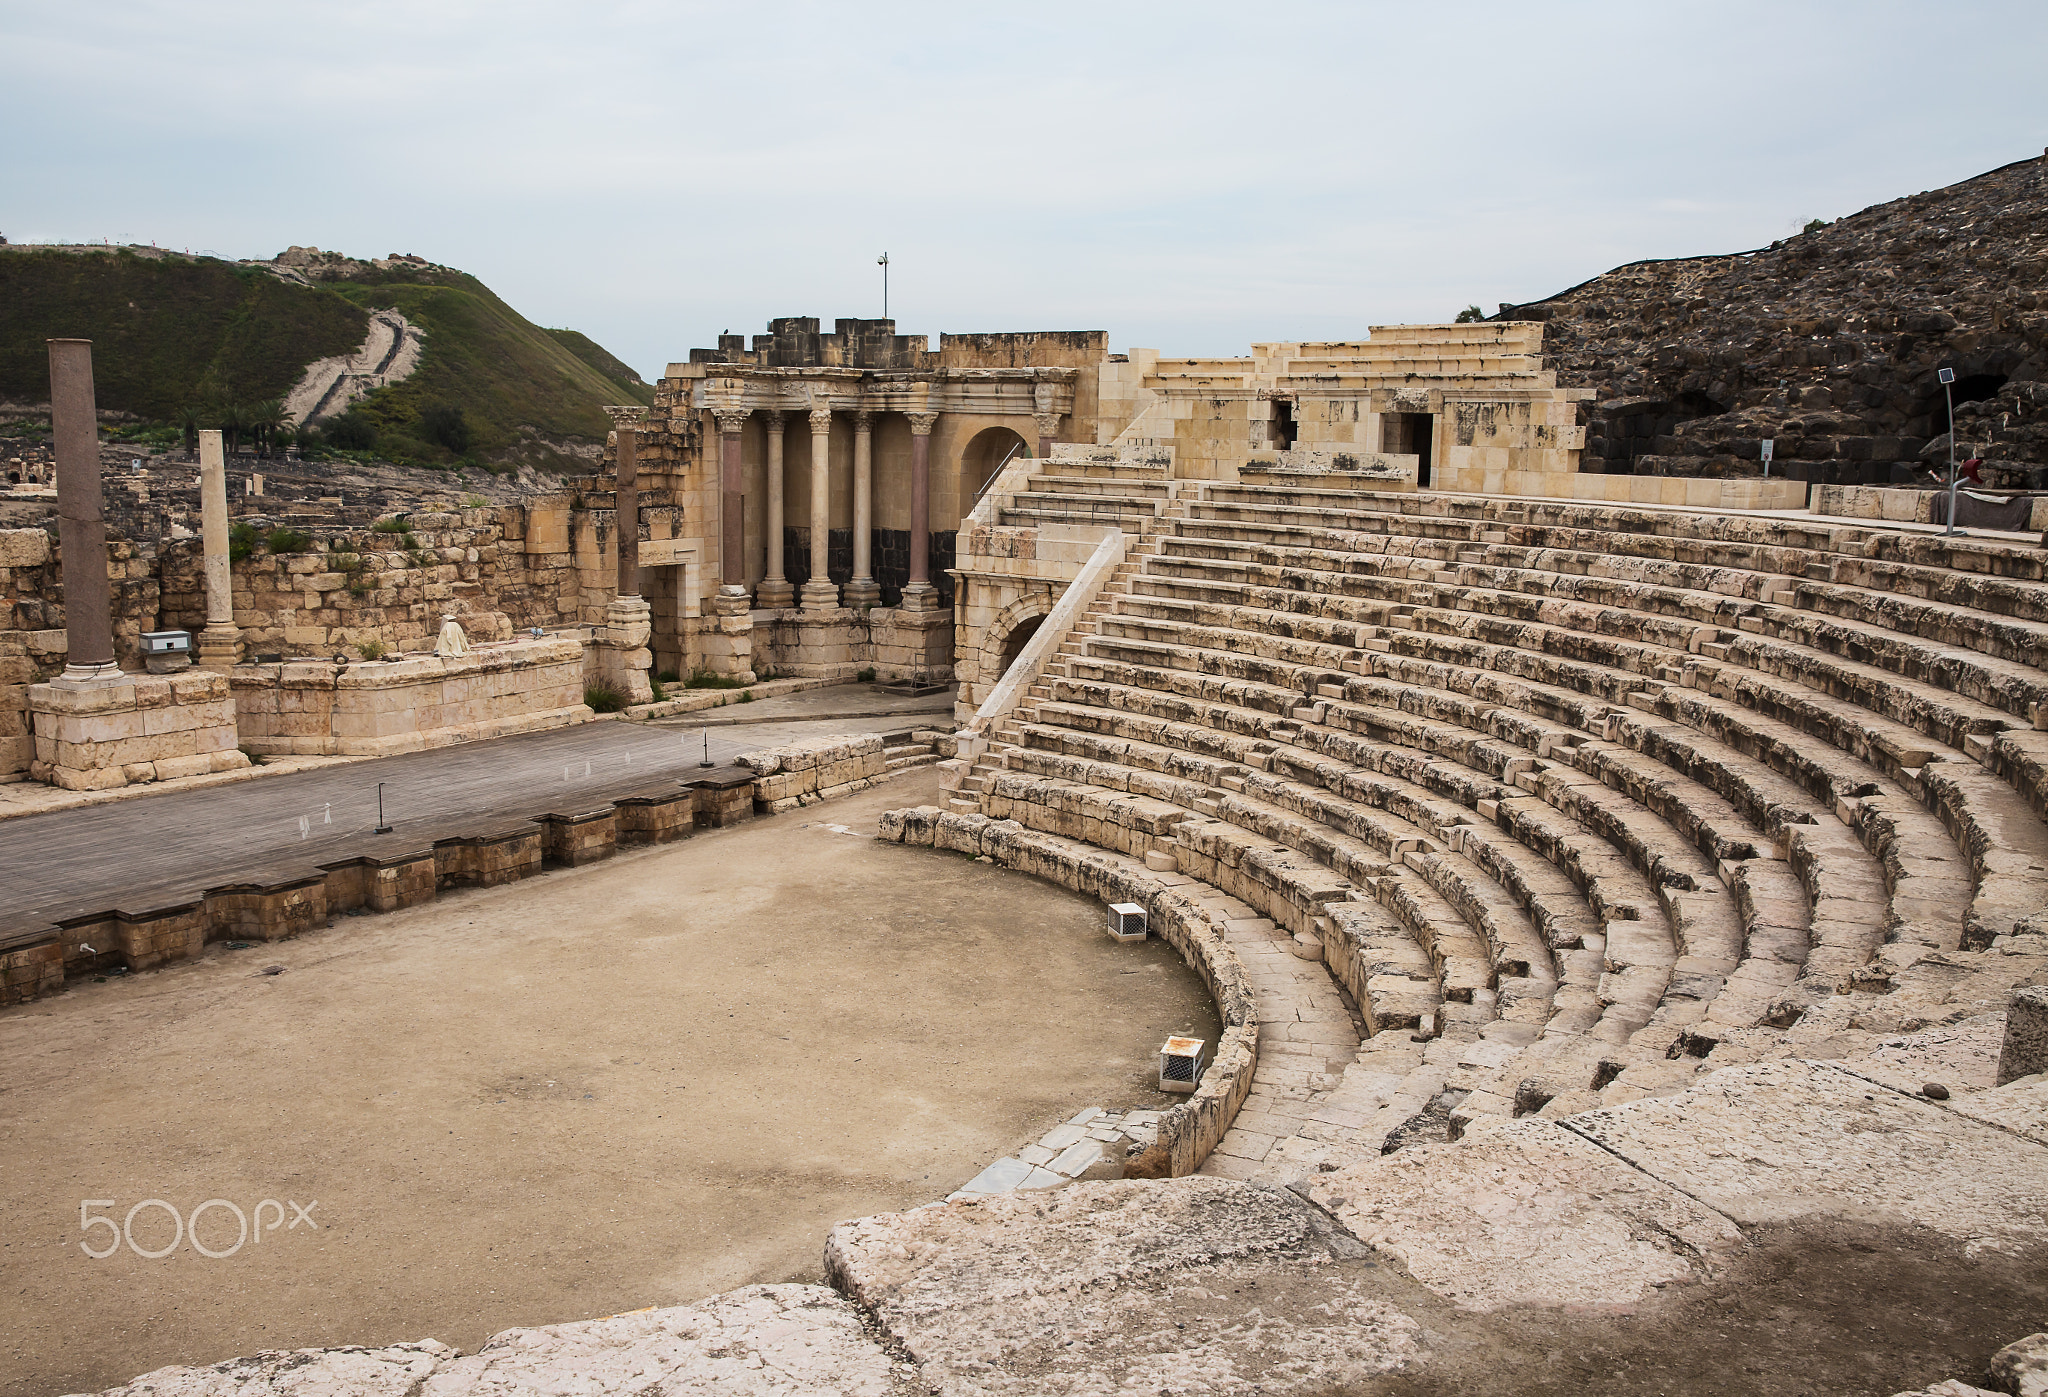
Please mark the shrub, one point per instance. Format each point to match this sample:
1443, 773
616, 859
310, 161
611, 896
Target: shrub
746, 696
705, 679
394, 525
242, 541
445, 426
866, 676
660, 694
288, 541
420, 558
669, 676
350, 432
603, 698
372, 649
1469, 315
474, 501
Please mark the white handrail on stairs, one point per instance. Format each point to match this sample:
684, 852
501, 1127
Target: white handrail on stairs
1051, 635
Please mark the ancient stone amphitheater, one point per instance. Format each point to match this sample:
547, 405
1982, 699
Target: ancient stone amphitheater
1613, 915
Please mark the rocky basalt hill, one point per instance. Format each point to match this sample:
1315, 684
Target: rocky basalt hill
1828, 343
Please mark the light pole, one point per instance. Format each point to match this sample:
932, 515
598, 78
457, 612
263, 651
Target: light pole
883, 263
1948, 391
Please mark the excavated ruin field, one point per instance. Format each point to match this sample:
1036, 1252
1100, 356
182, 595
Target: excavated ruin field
634, 1084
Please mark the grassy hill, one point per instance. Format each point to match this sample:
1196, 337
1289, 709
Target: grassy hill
172, 332
167, 331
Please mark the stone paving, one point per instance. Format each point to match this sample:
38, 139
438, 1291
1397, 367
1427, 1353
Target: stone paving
70, 862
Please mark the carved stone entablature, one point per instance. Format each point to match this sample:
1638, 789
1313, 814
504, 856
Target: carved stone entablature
981, 392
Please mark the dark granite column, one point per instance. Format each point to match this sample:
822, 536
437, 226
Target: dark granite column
81, 527
626, 500
919, 594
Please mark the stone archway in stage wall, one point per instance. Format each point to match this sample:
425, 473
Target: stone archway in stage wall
993, 651
985, 453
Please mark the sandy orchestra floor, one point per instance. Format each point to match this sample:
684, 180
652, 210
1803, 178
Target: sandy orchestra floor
632, 1084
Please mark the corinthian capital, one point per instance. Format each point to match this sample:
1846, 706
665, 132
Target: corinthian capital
1048, 423
821, 419
731, 419
921, 423
864, 420
626, 417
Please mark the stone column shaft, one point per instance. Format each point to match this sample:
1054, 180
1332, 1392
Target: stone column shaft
919, 594
732, 540
81, 525
220, 642
863, 590
627, 510
819, 591
774, 589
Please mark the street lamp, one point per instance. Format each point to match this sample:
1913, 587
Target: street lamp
1948, 391
883, 263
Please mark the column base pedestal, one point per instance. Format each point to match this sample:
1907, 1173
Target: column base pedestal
623, 657
725, 640
220, 647
921, 597
913, 647
774, 593
862, 591
820, 596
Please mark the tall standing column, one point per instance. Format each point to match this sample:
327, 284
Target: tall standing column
732, 539
220, 644
863, 590
774, 589
81, 527
919, 594
628, 620
820, 592
626, 499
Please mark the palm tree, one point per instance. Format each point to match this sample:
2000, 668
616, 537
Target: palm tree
234, 420
264, 419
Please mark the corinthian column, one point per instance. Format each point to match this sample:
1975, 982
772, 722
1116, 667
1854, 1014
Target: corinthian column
774, 589
863, 589
220, 643
1048, 427
732, 542
819, 592
919, 594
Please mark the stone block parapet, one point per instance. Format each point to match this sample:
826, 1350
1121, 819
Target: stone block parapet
823, 768
104, 733
319, 708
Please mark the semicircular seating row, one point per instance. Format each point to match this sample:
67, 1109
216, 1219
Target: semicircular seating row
1574, 803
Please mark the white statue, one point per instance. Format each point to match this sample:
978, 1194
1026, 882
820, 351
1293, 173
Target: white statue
454, 643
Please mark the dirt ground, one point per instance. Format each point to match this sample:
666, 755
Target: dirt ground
632, 1084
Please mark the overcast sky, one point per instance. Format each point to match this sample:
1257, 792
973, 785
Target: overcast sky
1188, 177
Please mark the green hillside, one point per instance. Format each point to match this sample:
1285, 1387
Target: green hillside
596, 355
172, 333
167, 331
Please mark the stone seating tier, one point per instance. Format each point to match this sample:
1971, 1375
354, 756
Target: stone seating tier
1572, 802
